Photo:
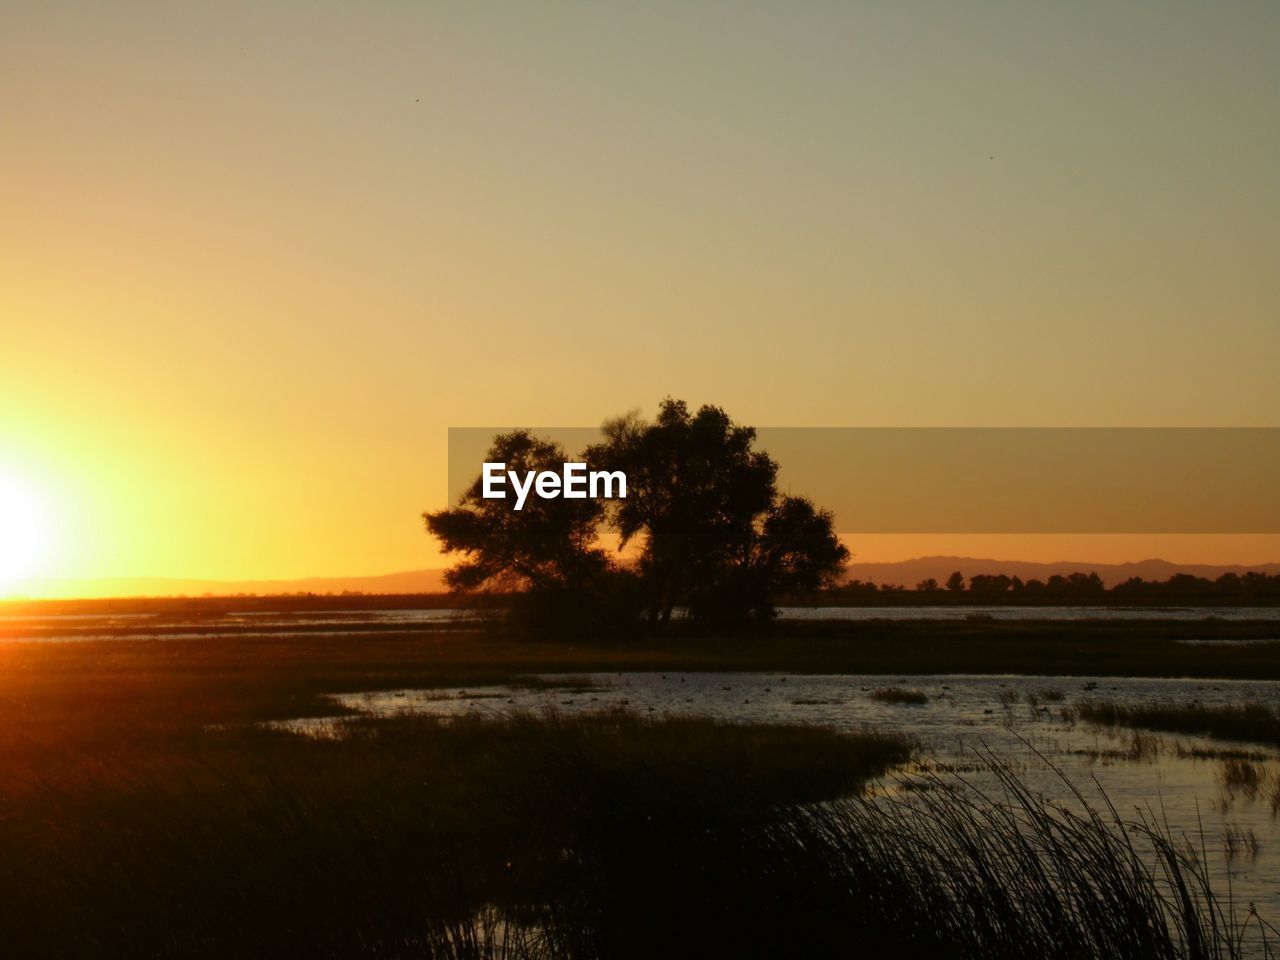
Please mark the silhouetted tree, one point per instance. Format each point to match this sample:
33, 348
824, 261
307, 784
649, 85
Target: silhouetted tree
797, 547
1085, 585
1259, 586
860, 588
986, 584
929, 585
715, 534
1186, 585
1253, 585
955, 582
545, 553
1229, 585
1133, 587
548, 544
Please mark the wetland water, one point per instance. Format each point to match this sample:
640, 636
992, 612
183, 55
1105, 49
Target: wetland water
185, 625
1023, 720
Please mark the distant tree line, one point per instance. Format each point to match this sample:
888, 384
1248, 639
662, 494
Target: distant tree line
1250, 587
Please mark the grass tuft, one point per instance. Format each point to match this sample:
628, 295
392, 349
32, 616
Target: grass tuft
900, 695
1255, 722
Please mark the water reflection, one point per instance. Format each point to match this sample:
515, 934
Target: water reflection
197, 624
1194, 784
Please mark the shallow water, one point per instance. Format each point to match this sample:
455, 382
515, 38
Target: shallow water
1020, 719
997, 612
65, 628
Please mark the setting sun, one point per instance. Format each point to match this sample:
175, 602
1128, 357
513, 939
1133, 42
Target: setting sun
23, 530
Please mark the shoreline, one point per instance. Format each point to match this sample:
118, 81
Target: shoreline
315, 602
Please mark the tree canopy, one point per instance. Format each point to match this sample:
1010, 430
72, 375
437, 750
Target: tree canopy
703, 527
548, 544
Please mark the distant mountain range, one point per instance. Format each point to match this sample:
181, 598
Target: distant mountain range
905, 572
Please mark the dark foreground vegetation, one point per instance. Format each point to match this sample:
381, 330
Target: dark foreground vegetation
603, 836
398, 839
146, 810
1255, 722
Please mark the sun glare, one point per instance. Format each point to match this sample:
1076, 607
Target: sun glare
23, 531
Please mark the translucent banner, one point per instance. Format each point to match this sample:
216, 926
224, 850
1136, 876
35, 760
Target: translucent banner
1000, 479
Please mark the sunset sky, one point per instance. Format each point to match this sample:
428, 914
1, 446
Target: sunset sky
257, 258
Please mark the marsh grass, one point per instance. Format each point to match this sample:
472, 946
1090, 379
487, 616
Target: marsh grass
1239, 841
555, 836
1242, 772
1193, 751
1245, 776
1037, 698
932, 869
1138, 747
900, 695
1253, 722
1009, 874
393, 839
147, 810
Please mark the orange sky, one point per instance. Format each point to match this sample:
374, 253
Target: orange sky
255, 259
